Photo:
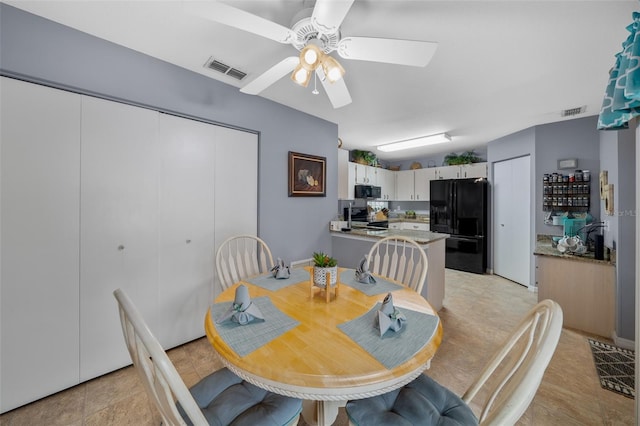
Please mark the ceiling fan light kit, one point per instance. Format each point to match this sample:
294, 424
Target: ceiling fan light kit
316, 36
415, 143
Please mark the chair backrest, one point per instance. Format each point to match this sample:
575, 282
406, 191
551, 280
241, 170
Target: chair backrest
401, 259
241, 257
515, 372
160, 378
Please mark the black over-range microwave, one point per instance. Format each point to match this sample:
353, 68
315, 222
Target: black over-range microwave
367, 191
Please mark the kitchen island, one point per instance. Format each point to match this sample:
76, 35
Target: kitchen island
350, 247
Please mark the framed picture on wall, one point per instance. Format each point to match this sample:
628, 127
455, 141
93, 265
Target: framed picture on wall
307, 175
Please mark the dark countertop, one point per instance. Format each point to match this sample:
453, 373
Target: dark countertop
544, 248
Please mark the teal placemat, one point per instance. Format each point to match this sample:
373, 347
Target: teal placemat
267, 281
393, 348
348, 277
244, 339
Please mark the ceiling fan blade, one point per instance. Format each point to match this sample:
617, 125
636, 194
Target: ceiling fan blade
337, 91
402, 52
328, 14
237, 18
270, 76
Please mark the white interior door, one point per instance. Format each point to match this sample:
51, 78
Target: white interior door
512, 219
186, 227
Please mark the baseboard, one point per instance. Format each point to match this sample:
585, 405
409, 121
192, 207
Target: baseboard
624, 343
533, 288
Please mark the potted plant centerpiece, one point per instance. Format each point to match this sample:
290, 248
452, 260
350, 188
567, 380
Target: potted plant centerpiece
323, 265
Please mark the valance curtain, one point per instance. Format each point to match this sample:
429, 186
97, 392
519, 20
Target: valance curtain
622, 97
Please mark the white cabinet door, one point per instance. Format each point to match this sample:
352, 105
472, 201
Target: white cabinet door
404, 185
351, 180
236, 186
448, 172
422, 179
474, 170
119, 227
186, 227
386, 181
39, 225
343, 174
395, 225
361, 174
372, 175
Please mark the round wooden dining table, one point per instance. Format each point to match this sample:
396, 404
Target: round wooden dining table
315, 360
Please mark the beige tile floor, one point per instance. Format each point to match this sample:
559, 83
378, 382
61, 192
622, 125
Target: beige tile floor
479, 311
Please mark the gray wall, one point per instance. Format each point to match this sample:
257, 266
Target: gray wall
38, 50
617, 157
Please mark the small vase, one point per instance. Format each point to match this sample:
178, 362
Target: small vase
320, 276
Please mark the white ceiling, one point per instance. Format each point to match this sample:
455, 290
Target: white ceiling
500, 66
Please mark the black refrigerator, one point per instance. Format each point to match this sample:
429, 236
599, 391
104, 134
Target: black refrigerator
459, 207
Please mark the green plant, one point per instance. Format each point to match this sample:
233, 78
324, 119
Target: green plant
322, 260
466, 157
366, 157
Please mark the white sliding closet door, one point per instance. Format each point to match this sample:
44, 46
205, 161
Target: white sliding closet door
236, 186
119, 227
39, 234
186, 226
512, 219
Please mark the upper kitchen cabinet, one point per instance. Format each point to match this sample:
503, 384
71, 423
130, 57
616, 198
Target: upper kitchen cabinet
464, 171
413, 185
366, 175
386, 180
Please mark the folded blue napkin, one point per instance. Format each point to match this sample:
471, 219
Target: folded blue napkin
242, 310
280, 271
362, 272
389, 317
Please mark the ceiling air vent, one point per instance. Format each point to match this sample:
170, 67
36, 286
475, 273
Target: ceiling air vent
574, 111
216, 65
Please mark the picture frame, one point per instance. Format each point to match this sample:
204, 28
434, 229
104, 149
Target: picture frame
307, 175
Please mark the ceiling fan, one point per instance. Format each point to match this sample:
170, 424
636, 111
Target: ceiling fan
316, 34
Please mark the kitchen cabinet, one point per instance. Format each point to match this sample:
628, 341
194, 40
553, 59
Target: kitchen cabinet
584, 290
464, 171
386, 179
365, 175
413, 185
414, 226
40, 241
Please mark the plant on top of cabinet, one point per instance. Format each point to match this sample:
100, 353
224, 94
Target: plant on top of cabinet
364, 157
466, 157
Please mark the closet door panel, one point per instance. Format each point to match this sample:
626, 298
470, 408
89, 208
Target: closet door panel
39, 235
119, 227
236, 186
186, 227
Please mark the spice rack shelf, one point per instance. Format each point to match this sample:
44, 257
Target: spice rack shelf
564, 195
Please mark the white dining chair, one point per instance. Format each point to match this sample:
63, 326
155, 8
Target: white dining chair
508, 382
240, 257
221, 398
400, 259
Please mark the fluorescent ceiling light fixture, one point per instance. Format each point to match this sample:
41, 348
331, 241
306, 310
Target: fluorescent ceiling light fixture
415, 143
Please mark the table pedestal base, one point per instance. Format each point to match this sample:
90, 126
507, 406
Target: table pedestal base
321, 413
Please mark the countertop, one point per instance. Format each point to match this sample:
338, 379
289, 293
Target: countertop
421, 237
544, 248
